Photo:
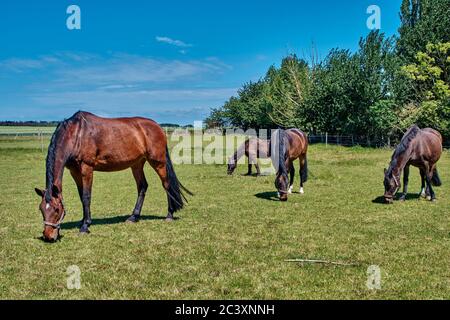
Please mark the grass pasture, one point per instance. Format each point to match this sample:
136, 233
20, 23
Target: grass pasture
232, 240
14, 130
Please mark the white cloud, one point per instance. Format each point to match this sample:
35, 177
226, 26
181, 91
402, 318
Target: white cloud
125, 69
135, 97
72, 69
173, 42
168, 105
119, 84
21, 65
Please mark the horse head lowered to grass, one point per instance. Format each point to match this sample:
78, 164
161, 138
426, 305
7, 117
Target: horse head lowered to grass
289, 145
421, 148
86, 143
254, 149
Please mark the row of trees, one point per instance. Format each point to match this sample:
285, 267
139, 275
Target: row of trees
29, 123
380, 90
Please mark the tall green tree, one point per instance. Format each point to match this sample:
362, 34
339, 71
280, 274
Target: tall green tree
347, 88
247, 110
379, 90
287, 89
422, 21
430, 74
378, 66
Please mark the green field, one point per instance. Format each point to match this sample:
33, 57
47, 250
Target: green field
25, 130
232, 240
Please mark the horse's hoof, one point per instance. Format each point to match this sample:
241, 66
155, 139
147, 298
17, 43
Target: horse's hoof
132, 219
402, 199
429, 198
433, 200
169, 219
84, 229
84, 232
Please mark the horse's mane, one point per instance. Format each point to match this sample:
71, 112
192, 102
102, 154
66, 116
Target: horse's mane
53, 147
403, 145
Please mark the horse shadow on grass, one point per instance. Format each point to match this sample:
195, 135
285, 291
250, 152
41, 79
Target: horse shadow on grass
41, 238
270, 196
409, 196
110, 220
254, 175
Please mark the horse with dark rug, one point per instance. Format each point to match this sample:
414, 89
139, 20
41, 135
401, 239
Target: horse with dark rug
289, 145
86, 143
421, 148
253, 149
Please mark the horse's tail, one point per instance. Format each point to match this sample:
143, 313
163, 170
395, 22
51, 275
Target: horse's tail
304, 170
436, 180
282, 152
175, 193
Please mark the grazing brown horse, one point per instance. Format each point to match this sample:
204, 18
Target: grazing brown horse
422, 149
292, 145
253, 149
86, 143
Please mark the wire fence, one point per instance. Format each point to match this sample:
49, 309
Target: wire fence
340, 140
351, 141
24, 134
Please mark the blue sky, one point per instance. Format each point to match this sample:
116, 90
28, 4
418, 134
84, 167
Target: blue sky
168, 60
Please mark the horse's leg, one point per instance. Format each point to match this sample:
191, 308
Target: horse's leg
405, 183
291, 175
142, 185
83, 178
161, 170
422, 190
302, 164
253, 160
76, 175
249, 165
429, 176
249, 172
258, 172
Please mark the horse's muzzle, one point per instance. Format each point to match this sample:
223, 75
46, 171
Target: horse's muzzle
50, 234
388, 200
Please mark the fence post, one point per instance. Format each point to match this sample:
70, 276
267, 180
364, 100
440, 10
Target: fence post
326, 139
42, 140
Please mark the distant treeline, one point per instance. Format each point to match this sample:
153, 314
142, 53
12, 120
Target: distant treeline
380, 90
29, 123
172, 125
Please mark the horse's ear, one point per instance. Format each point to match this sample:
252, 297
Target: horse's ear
39, 192
55, 191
